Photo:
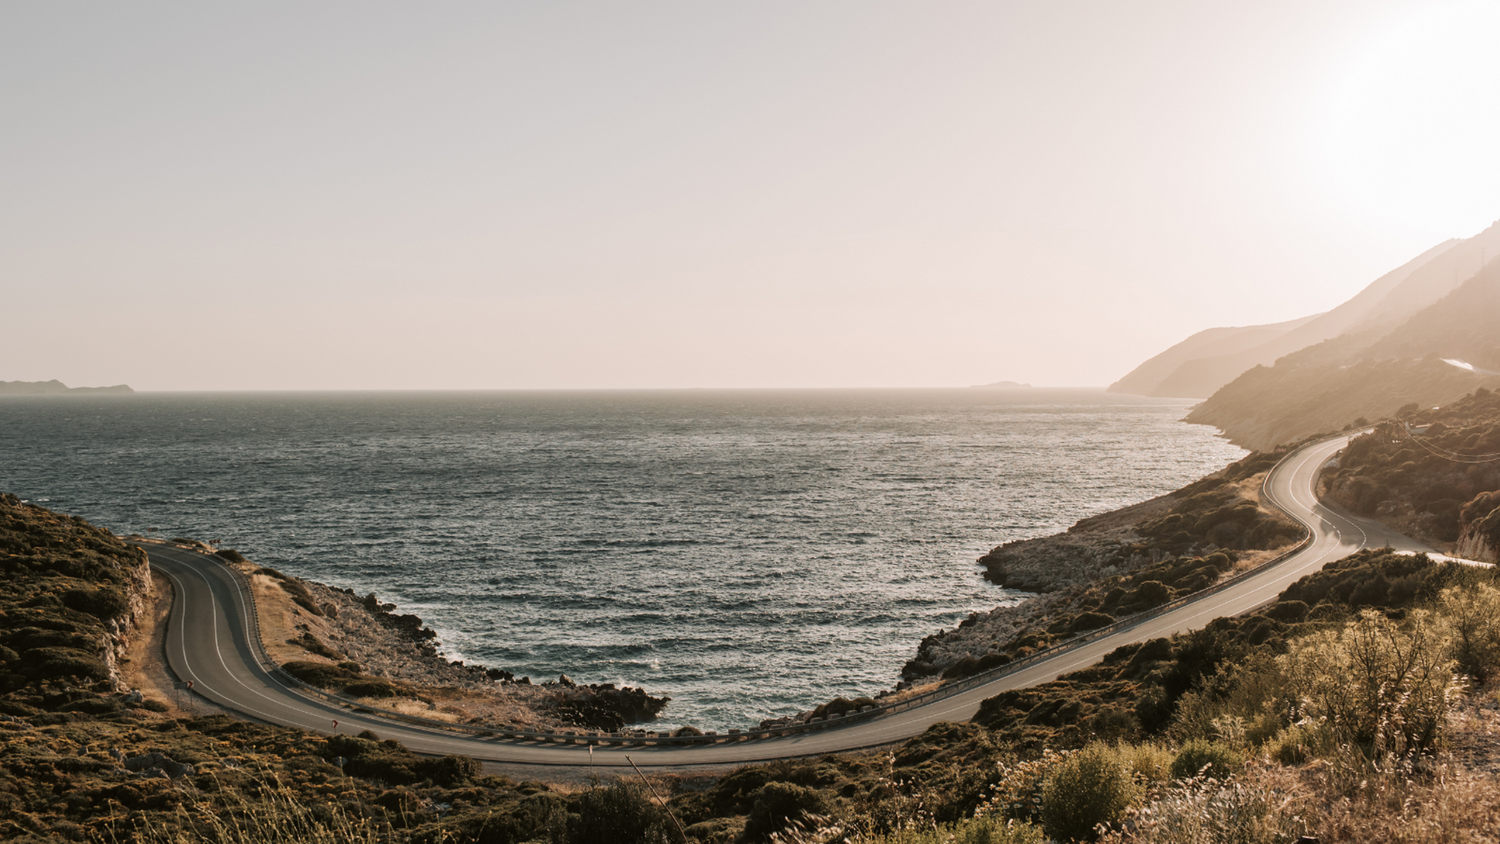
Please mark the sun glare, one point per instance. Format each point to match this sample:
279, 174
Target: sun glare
1407, 124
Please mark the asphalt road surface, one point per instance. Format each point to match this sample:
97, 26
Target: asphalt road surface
211, 642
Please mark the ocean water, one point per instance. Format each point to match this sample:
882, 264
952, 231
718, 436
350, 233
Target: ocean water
748, 553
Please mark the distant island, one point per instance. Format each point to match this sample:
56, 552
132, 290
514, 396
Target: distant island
55, 388
1001, 385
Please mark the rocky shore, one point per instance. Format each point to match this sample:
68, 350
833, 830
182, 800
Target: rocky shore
1112, 565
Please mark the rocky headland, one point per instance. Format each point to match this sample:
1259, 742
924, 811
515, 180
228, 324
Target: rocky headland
58, 388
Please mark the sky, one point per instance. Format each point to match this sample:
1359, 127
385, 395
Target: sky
519, 195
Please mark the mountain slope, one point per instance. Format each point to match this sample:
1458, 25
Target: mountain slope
1202, 369
1368, 374
1210, 343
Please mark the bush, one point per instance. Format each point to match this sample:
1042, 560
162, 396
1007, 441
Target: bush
1090, 621
1299, 743
617, 812
1088, 788
231, 555
450, 771
103, 604
1474, 617
373, 689
777, 803
1207, 758
318, 674
1382, 687
56, 663
1148, 763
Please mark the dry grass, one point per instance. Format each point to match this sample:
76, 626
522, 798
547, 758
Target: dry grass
280, 814
279, 620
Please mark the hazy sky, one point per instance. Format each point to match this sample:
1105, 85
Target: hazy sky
516, 195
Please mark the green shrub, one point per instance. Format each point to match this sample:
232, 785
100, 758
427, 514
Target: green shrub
777, 803
1473, 616
1382, 686
614, 813
56, 663
1299, 743
320, 675
1088, 788
373, 688
232, 555
1208, 758
1148, 763
103, 604
1089, 621
450, 771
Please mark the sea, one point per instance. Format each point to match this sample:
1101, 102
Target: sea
748, 553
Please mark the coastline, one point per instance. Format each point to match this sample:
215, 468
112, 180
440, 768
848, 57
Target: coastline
317, 629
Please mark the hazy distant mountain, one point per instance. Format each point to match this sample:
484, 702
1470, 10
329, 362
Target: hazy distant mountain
1210, 344
1370, 372
55, 387
1001, 385
1203, 363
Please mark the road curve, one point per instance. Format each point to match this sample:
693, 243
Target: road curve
211, 641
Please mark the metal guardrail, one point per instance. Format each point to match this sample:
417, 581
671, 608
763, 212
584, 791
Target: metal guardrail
640, 737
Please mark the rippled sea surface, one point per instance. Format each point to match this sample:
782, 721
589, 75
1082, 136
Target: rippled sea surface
748, 553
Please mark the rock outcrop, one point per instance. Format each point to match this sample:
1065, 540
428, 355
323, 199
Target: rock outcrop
1479, 529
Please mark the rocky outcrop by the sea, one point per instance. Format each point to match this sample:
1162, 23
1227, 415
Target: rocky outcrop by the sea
1042, 571
1479, 529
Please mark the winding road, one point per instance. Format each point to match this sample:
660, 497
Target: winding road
212, 642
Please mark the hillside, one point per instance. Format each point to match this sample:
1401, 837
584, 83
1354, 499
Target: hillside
1437, 480
1369, 374
1212, 343
1200, 365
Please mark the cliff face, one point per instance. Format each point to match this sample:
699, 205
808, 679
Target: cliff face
1479, 534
